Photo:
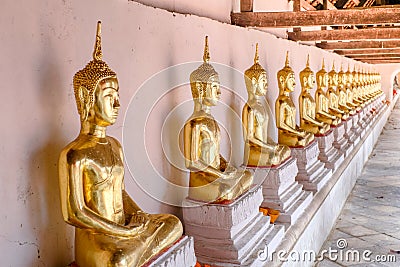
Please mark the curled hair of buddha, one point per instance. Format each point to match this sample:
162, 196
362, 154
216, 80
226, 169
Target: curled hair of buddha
203, 73
286, 70
256, 69
307, 70
89, 77
333, 70
322, 71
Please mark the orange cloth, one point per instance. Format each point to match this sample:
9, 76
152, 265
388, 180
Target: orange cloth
273, 214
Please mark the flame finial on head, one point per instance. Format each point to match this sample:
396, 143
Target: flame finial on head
333, 65
97, 53
341, 67
308, 61
287, 59
323, 63
256, 56
206, 56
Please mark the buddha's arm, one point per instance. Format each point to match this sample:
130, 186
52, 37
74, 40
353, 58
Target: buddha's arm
322, 111
191, 150
305, 114
78, 214
248, 124
282, 123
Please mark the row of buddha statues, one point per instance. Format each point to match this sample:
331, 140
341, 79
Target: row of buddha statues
111, 230
338, 95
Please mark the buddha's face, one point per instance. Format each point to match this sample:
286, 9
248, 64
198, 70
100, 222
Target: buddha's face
106, 103
261, 84
350, 78
335, 79
290, 82
212, 92
342, 79
323, 79
311, 80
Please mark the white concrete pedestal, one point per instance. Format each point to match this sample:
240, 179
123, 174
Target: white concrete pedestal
179, 254
340, 141
350, 135
313, 173
356, 128
361, 121
327, 152
282, 192
231, 234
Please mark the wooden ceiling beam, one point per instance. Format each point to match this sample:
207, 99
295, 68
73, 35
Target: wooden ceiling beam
380, 57
347, 34
359, 45
289, 19
368, 51
379, 61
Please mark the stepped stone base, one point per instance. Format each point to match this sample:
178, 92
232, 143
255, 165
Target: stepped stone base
340, 141
313, 173
328, 153
231, 234
180, 254
282, 192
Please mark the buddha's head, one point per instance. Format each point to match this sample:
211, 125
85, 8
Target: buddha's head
96, 89
322, 76
286, 79
349, 75
307, 78
204, 81
342, 77
333, 76
256, 77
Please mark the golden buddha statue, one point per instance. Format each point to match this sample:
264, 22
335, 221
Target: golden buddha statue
323, 112
308, 121
356, 89
259, 150
333, 96
362, 87
349, 90
341, 91
111, 230
212, 179
289, 133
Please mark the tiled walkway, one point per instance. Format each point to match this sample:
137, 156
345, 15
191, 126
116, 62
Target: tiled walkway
370, 219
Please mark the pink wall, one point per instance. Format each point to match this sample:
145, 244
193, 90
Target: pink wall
388, 72
43, 43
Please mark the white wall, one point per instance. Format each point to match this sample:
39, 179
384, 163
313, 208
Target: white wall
43, 44
388, 73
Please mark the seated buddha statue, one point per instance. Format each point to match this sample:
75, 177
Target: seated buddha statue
289, 133
259, 150
212, 178
356, 89
333, 96
322, 110
308, 122
349, 91
341, 92
110, 229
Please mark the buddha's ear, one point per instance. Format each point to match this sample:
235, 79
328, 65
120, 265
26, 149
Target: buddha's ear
253, 81
199, 88
281, 80
83, 95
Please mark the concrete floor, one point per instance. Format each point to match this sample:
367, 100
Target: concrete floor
370, 219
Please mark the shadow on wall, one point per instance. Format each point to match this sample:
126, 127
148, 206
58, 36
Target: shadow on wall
54, 238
